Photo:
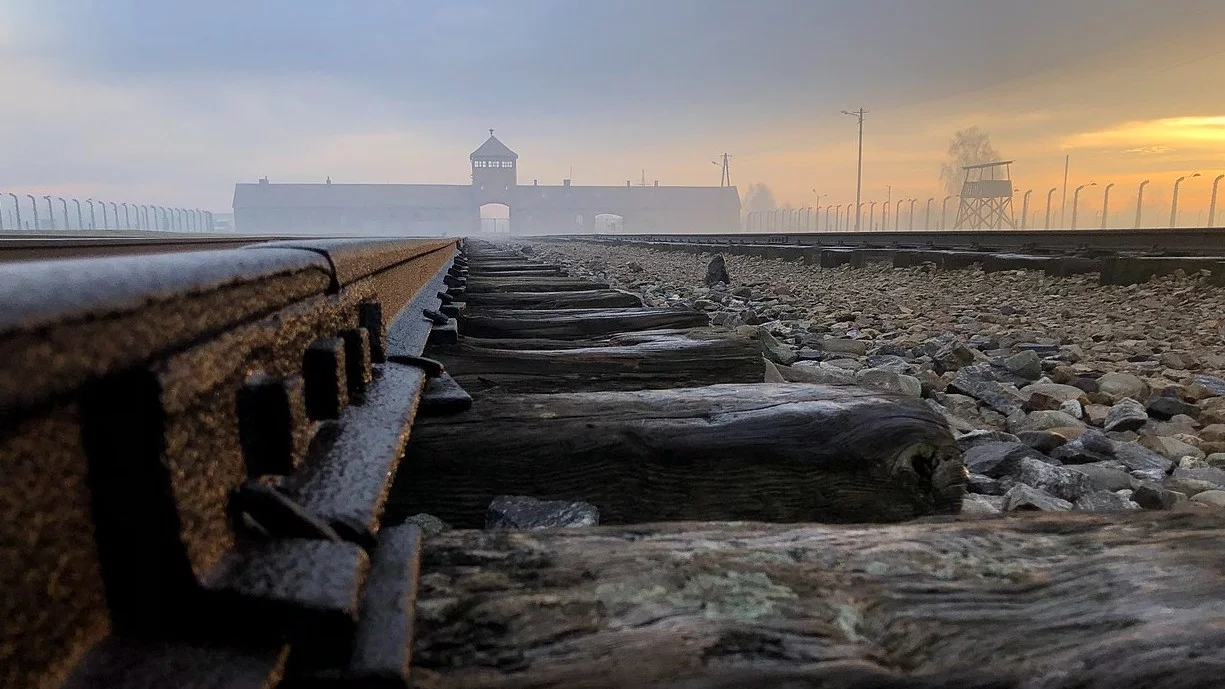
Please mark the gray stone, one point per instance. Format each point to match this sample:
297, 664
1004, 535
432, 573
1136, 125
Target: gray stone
975, 506
774, 350
1062, 393
1138, 458
1117, 386
1213, 432
1105, 501
1073, 409
521, 512
1102, 477
428, 523
1214, 498
894, 349
1213, 476
991, 393
1075, 452
1126, 415
716, 272
810, 354
888, 381
1173, 360
825, 374
981, 437
984, 485
843, 346
1150, 475
1026, 364
999, 459
1214, 384
1041, 402
1096, 441
1046, 420
1151, 496
952, 357
988, 370
1166, 408
1066, 484
1171, 448
1023, 498
889, 362
1193, 463
1177, 425
1042, 441
1095, 414
1188, 486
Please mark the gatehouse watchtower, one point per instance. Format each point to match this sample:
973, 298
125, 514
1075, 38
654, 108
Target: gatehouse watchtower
494, 170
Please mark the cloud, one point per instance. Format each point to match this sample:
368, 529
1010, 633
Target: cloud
1149, 150
1157, 136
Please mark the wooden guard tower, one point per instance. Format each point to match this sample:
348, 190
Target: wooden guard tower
986, 198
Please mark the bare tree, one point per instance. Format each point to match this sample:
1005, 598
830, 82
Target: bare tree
967, 147
758, 197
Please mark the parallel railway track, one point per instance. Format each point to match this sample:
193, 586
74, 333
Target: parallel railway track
1179, 242
212, 459
1119, 256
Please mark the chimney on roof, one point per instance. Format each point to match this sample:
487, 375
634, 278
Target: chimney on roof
657, 183
565, 183
627, 183
263, 181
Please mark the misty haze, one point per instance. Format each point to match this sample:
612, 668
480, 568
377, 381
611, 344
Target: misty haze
612, 344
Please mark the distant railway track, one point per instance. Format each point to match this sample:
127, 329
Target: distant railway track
1119, 256
1179, 242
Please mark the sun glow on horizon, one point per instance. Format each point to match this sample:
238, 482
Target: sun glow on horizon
1156, 136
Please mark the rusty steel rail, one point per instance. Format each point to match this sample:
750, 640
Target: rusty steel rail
196, 450
42, 247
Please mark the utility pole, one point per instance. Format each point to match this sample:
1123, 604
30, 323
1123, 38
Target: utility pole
858, 114
726, 179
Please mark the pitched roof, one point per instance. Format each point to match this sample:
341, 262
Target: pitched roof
493, 148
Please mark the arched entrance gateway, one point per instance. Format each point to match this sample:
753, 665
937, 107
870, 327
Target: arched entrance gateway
609, 223
495, 218
485, 206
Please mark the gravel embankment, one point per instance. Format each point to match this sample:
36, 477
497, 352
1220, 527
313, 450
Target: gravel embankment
1064, 394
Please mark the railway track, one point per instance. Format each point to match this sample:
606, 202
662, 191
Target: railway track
214, 462
1178, 242
1119, 256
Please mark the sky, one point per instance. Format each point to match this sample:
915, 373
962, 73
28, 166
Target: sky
151, 101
